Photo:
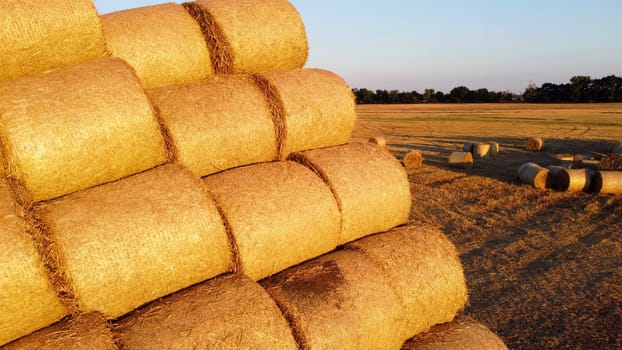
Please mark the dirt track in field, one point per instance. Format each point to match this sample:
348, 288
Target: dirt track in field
543, 267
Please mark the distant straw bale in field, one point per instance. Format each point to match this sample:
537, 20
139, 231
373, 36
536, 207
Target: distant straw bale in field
463, 333
494, 148
82, 332
339, 301
611, 162
251, 36
217, 124
481, 150
163, 43
534, 144
534, 175
36, 37
135, 240
370, 185
607, 182
413, 160
27, 299
424, 270
468, 147
315, 106
227, 312
77, 127
571, 180
378, 140
279, 214
463, 160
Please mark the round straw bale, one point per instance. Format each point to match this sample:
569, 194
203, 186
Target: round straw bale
78, 127
534, 144
227, 312
279, 214
468, 147
317, 108
378, 140
413, 159
535, 175
571, 180
36, 37
163, 43
463, 160
370, 185
481, 150
218, 123
463, 333
251, 36
27, 299
339, 301
82, 332
132, 241
607, 182
494, 148
423, 268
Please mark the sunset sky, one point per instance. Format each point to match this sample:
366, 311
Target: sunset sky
414, 45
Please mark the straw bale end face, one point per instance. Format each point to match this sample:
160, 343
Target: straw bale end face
534, 144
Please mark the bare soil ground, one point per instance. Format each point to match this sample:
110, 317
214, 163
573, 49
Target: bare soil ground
543, 267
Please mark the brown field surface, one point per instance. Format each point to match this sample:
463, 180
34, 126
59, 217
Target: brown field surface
543, 267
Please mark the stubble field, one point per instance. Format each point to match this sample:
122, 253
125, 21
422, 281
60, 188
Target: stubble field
543, 267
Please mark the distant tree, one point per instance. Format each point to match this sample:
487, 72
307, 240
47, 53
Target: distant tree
428, 95
459, 94
580, 88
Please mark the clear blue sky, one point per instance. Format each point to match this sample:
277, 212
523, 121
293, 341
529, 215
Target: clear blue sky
441, 44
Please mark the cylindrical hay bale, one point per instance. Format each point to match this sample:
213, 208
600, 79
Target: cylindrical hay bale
535, 175
217, 124
481, 150
608, 182
228, 312
27, 299
463, 333
572, 180
370, 185
378, 140
251, 36
423, 268
494, 148
468, 147
534, 144
135, 240
36, 37
316, 107
339, 301
163, 43
83, 332
413, 159
279, 214
463, 160
77, 127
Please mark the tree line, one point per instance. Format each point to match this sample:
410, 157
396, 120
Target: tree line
580, 89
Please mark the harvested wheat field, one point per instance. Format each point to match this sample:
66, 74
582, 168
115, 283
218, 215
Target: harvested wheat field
543, 267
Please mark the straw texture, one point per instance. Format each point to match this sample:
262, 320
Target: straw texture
257, 35
163, 43
534, 175
280, 214
227, 312
27, 300
423, 268
369, 184
413, 160
339, 301
318, 108
132, 241
77, 127
608, 182
378, 140
36, 37
534, 144
463, 160
571, 180
217, 124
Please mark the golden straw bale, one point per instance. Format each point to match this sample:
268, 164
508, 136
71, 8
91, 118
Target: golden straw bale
424, 269
317, 108
218, 123
251, 36
82, 332
378, 140
132, 241
27, 299
413, 159
494, 148
163, 43
370, 185
463, 160
534, 144
279, 214
481, 150
339, 301
463, 333
36, 37
608, 182
534, 175
227, 312
77, 127
468, 147
571, 180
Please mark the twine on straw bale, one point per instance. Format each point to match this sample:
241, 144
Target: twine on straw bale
251, 36
163, 43
227, 312
318, 108
423, 268
217, 124
463, 160
370, 185
36, 37
534, 144
27, 298
77, 127
135, 240
607, 182
534, 175
338, 301
378, 140
413, 160
279, 215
